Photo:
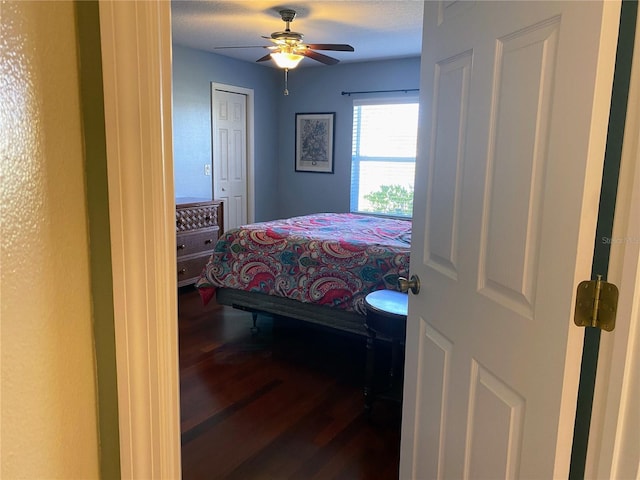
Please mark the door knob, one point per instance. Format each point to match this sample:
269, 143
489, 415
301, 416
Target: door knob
413, 284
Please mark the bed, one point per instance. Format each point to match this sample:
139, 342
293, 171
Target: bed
317, 268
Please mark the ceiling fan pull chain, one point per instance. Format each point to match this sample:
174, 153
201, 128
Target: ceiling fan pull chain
286, 80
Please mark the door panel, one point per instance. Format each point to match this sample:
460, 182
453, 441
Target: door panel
517, 154
451, 93
514, 99
433, 380
495, 421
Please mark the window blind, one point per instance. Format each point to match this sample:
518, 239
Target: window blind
383, 156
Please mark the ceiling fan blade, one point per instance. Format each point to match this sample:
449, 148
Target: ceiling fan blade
338, 47
265, 58
327, 60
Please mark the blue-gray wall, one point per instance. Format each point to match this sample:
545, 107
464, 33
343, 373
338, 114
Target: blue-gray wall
280, 190
193, 72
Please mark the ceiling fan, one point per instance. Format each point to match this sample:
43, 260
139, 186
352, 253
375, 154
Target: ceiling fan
288, 50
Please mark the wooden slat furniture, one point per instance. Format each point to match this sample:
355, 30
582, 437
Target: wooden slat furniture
198, 227
386, 316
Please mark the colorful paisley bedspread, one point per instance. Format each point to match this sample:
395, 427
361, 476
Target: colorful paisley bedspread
330, 259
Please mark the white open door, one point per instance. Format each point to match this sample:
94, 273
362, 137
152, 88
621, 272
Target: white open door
232, 159
515, 99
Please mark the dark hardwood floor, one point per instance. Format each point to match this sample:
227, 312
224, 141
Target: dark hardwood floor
285, 403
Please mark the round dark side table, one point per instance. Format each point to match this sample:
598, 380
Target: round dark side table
386, 317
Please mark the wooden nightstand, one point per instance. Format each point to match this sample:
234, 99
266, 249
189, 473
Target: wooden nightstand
198, 227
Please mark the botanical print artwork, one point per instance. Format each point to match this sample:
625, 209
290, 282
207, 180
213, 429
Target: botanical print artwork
315, 140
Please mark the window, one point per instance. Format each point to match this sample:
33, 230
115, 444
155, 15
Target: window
383, 156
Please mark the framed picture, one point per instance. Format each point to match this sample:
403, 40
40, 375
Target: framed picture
314, 142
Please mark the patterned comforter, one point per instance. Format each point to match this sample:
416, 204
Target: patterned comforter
330, 259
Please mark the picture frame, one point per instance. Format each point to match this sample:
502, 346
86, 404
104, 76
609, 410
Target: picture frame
314, 142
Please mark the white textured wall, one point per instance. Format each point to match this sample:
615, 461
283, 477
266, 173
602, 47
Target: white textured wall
48, 398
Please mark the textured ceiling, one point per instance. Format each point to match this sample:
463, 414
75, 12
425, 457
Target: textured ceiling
376, 29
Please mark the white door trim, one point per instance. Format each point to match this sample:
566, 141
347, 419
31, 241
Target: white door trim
250, 142
136, 61
614, 439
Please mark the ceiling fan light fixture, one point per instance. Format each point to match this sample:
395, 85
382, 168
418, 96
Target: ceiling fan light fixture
286, 59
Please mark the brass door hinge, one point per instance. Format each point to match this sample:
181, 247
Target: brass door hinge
596, 304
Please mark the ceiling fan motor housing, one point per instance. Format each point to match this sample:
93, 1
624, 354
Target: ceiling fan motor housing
287, 35
287, 15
